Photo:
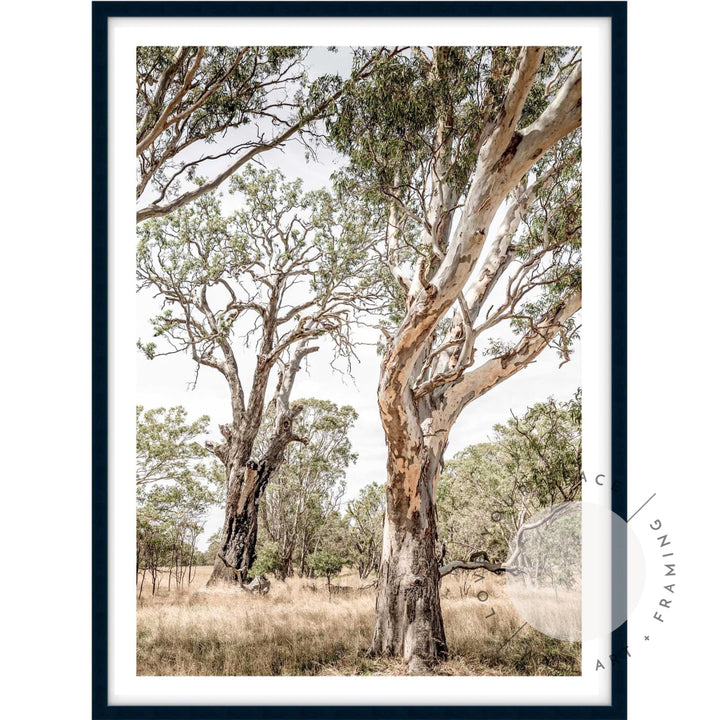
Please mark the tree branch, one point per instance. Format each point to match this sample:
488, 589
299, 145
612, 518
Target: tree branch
496, 173
491, 373
154, 210
480, 565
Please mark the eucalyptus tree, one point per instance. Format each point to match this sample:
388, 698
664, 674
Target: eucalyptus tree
167, 447
471, 156
210, 110
170, 518
472, 498
327, 564
177, 481
541, 451
366, 515
272, 277
310, 484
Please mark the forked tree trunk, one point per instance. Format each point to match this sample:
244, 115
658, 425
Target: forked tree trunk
239, 536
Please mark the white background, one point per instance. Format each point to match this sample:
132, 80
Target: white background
45, 359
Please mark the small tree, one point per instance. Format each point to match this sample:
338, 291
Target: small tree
269, 560
473, 486
308, 487
177, 481
170, 519
326, 564
542, 450
167, 447
153, 548
365, 516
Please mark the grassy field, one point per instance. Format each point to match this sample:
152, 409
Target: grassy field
298, 629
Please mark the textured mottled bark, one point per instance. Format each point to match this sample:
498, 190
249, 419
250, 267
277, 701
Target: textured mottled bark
408, 620
240, 530
239, 536
425, 384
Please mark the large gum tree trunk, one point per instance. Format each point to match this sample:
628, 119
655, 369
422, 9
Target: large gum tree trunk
423, 384
408, 616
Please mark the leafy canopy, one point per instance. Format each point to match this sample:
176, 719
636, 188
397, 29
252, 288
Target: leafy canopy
167, 449
293, 263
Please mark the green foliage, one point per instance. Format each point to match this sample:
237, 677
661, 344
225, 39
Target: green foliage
468, 493
299, 508
417, 124
386, 127
184, 502
167, 449
325, 425
553, 230
543, 450
326, 563
241, 100
211, 90
268, 561
385, 124
488, 490
176, 485
214, 271
365, 532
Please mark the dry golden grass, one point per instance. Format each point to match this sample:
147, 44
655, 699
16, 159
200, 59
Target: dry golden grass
557, 611
298, 630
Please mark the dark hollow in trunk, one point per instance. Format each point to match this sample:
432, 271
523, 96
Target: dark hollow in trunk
245, 490
240, 529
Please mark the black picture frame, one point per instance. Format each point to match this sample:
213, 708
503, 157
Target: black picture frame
102, 12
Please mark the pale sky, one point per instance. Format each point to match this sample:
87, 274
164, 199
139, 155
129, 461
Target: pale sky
165, 381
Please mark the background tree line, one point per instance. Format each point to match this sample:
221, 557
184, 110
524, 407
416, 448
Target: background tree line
489, 491
177, 483
302, 526
486, 493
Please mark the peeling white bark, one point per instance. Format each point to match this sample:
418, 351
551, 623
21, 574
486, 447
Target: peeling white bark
417, 413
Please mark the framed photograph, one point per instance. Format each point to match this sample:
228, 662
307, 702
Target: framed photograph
359, 328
